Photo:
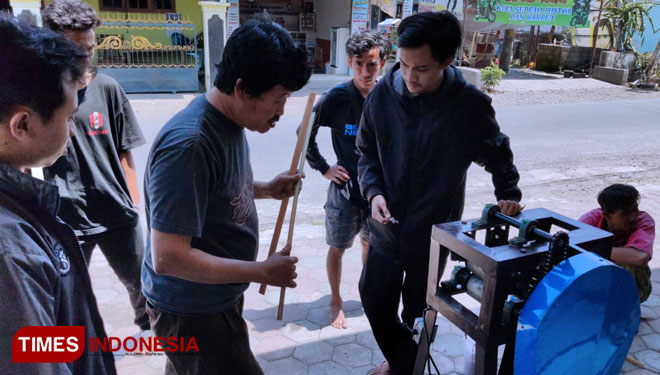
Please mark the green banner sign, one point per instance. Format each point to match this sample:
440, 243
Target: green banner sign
534, 12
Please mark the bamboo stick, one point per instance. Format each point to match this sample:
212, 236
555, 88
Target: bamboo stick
294, 206
292, 169
635, 362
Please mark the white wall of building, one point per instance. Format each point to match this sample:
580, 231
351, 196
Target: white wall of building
331, 13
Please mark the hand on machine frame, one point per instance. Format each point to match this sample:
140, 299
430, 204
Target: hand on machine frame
280, 268
510, 208
337, 174
284, 185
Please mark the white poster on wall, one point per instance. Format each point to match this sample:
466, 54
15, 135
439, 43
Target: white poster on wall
407, 8
359, 15
233, 18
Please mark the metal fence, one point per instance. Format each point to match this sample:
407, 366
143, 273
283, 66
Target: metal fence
149, 46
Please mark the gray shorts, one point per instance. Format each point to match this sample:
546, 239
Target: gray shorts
344, 220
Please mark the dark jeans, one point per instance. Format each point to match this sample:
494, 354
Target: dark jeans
124, 250
222, 339
382, 283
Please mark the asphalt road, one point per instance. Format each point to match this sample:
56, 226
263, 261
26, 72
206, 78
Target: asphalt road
559, 149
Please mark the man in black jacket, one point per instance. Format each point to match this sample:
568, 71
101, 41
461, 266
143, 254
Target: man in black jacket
43, 275
422, 126
340, 109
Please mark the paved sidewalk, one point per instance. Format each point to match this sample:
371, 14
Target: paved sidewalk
521, 80
304, 343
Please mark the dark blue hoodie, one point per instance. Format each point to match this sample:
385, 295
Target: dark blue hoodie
416, 150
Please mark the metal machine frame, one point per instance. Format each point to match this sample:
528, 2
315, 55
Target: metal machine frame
502, 265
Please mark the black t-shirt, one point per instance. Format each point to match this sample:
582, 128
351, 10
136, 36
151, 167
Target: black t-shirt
340, 110
95, 195
198, 183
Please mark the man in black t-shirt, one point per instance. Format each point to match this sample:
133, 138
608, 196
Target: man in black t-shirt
97, 179
346, 212
199, 196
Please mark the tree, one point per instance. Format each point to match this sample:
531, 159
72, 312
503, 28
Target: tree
628, 18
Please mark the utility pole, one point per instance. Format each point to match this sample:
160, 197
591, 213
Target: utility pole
507, 48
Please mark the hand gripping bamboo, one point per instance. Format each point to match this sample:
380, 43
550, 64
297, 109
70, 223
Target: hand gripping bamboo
303, 137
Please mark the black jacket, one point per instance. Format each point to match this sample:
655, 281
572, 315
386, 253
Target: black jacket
43, 276
416, 151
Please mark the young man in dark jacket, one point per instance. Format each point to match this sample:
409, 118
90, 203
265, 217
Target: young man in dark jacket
340, 109
43, 275
422, 126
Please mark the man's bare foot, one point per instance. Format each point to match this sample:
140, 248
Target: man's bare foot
382, 369
337, 317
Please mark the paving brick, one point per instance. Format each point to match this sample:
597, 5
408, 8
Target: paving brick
328, 368
319, 315
637, 345
314, 352
261, 361
652, 341
362, 370
324, 288
273, 296
274, 348
377, 357
352, 355
256, 314
641, 372
337, 336
305, 284
444, 363
288, 366
654, 324
649, 313
449, 344
367, 339
650, 359
459, 364
644, 328
357, 321
312, 263
265, 327
301, 331
105, 295
627, 366
294, 312
652, 301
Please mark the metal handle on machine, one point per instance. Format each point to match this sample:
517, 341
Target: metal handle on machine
528, 229
508, 219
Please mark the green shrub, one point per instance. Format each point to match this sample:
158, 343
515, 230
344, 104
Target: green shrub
491, 76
